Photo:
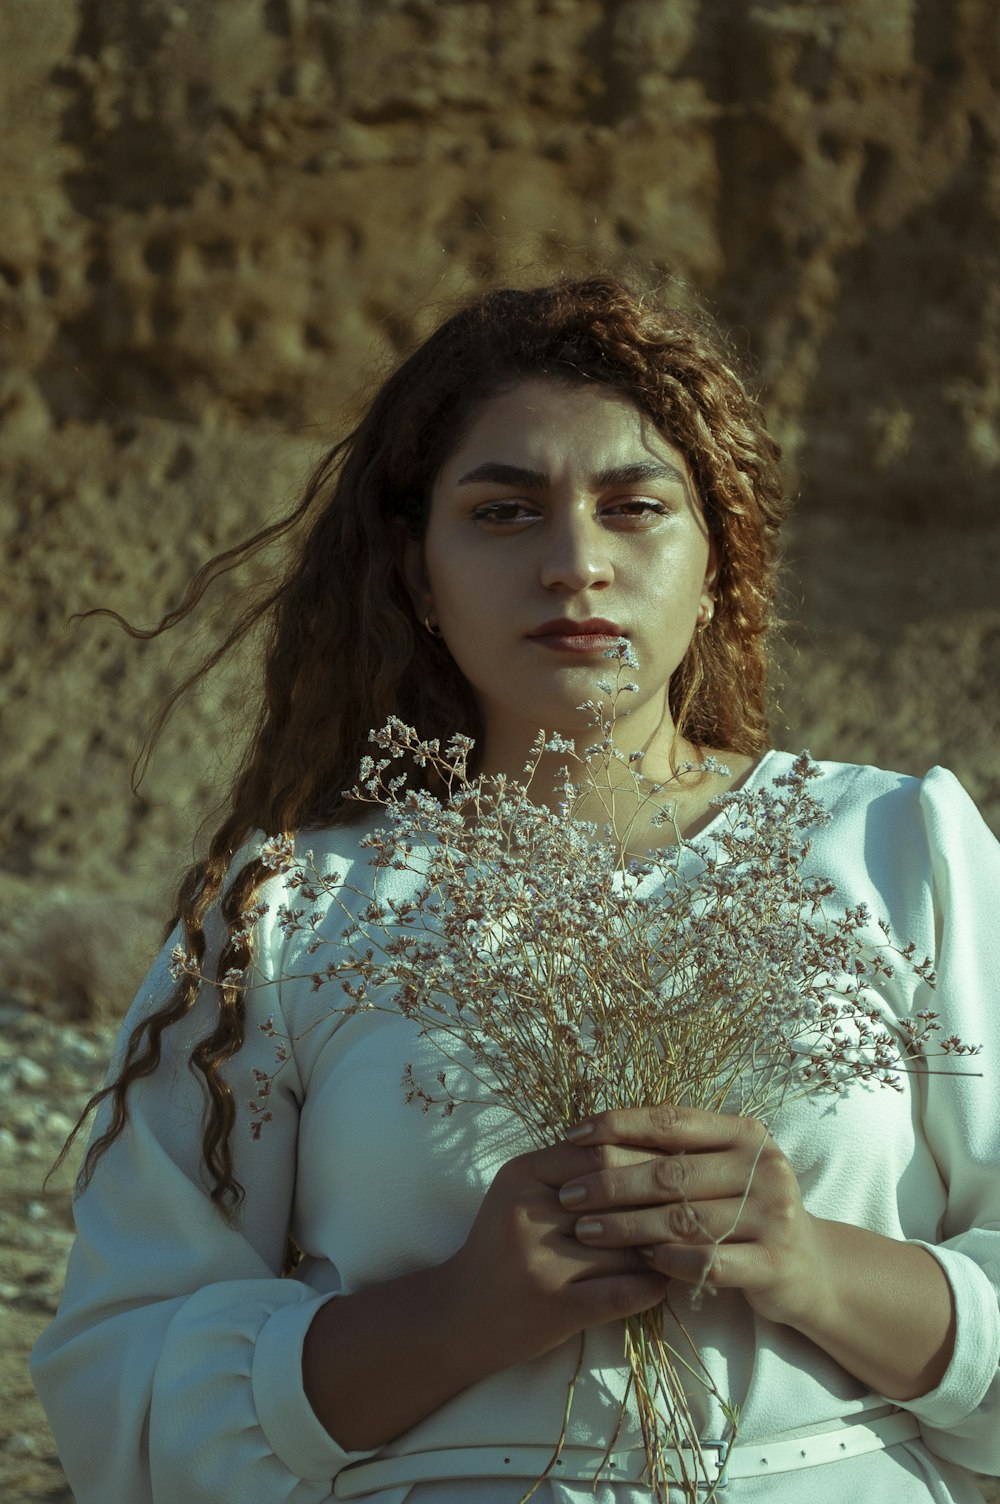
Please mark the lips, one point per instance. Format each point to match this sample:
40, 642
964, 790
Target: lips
565, 636
595, 626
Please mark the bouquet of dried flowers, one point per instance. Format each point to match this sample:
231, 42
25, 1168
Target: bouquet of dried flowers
570, 978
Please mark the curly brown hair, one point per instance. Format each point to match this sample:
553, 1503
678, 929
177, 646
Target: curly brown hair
343, 650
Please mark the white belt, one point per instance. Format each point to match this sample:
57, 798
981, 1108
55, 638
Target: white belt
583, 1464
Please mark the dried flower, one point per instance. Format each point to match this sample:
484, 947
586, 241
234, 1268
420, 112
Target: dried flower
181, 964
573, 977
277, 853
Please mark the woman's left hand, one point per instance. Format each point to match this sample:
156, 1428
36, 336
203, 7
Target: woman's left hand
716, 1203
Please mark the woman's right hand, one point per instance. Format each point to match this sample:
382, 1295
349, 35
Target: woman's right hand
524, 1280
376, 1362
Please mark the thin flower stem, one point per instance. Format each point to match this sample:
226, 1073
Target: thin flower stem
564, 1431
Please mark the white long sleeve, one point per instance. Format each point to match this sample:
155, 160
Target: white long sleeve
960, 1419
173, 1371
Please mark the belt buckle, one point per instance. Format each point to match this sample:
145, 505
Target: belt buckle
721, 1461
706, 1462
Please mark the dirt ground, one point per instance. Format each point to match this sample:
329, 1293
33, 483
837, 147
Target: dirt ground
46, 1073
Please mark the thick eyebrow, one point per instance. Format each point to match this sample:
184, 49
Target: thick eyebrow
642, 470
537, 480
505, 475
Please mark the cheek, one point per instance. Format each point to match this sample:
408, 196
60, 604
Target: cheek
443, 577
462, 600
464, 586
673, 589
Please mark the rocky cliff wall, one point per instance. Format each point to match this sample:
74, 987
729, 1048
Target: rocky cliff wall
223, 222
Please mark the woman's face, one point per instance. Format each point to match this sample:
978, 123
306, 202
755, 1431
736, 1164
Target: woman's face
563, 520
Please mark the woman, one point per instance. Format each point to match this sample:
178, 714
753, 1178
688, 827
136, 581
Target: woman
549, 472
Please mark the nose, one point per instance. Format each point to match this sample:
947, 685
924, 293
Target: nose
576, 555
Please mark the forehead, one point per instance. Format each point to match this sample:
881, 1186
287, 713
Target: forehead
550, 424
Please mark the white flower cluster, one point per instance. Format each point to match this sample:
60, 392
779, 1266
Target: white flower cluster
570, 978
277, 853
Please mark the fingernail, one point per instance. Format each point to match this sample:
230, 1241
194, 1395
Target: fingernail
571, 1195
589, 1227
581, 1130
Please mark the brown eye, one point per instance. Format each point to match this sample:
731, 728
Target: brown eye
502, 511
640, 507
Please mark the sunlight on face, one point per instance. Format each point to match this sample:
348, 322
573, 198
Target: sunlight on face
562, 520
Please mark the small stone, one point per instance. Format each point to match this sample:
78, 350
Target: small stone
80, 1052
29, 1073
12, 1012
20, 1443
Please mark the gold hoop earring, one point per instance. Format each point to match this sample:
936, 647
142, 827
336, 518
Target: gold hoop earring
432, 627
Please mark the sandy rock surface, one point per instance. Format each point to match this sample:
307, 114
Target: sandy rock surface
222, 223
46, 1075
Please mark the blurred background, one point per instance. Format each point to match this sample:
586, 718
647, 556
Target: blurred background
223, 223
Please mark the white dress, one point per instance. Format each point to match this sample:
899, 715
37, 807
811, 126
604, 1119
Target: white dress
172, 1372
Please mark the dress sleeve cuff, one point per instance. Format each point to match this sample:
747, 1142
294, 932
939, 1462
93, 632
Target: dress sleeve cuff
973, 1366
288, 1420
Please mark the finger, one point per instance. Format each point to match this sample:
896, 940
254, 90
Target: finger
564, 1162
612, 1299
661, 1178
578, 1261
718, 1266
698, 1223
667, 1127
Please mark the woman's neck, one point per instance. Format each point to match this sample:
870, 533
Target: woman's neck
646, 795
